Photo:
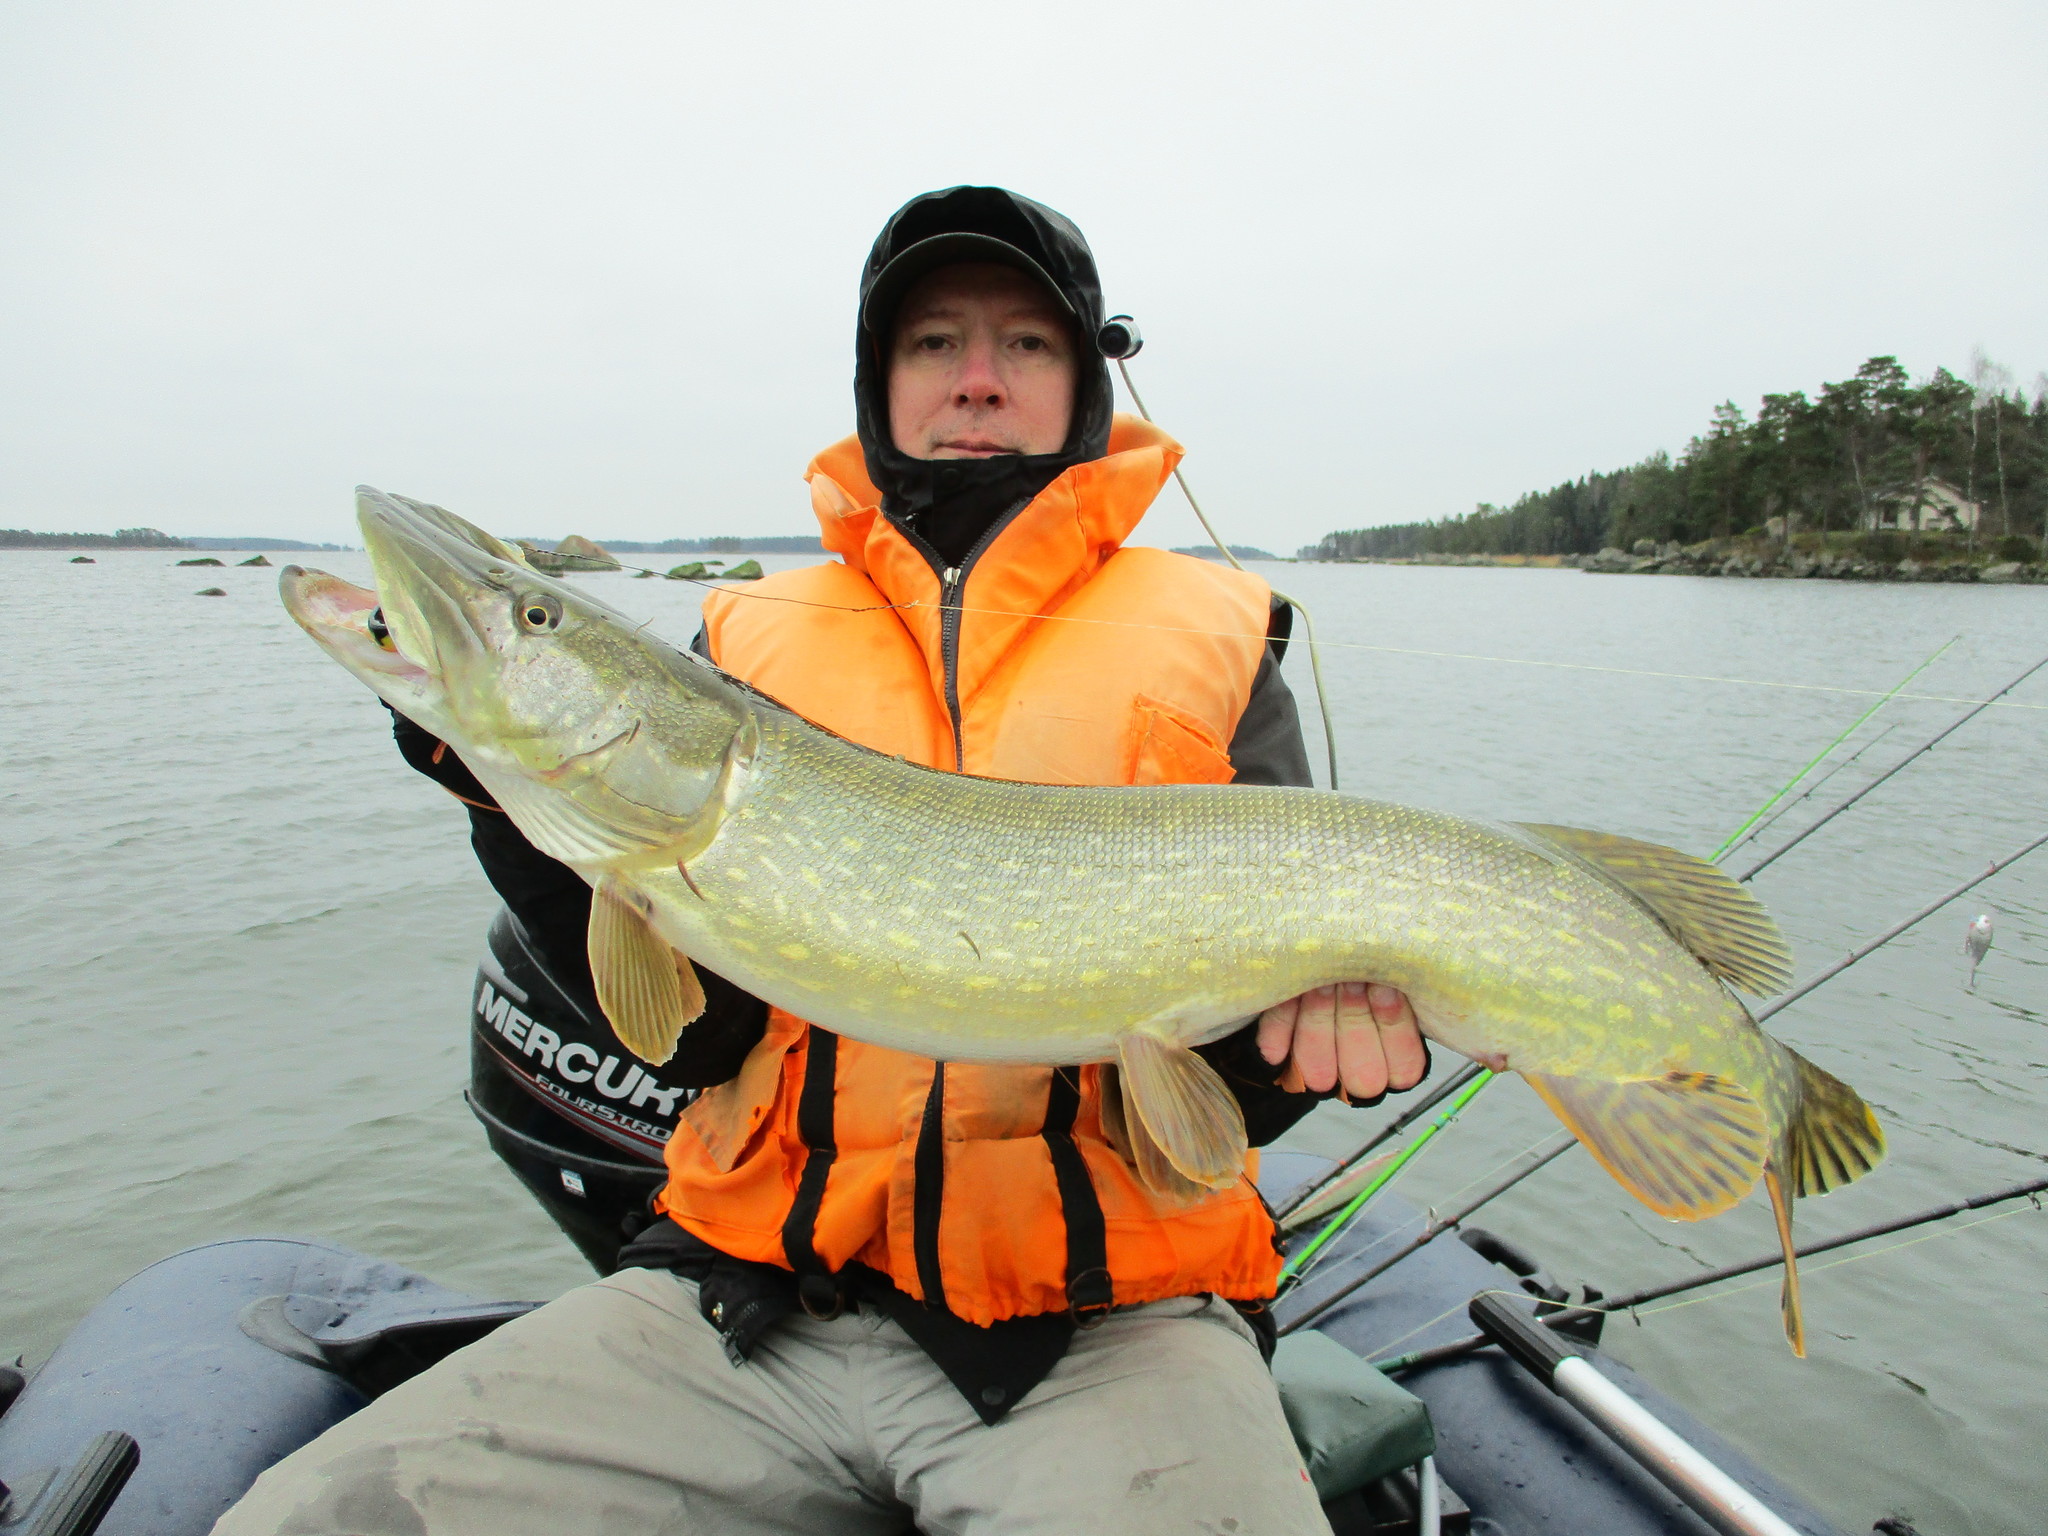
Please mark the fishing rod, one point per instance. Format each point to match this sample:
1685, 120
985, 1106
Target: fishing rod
1811, 790
1925, 747
1870, 948
1541, 1157
1384, 1134
1291, 1270
1609, 1305
1847, 732
1120, 341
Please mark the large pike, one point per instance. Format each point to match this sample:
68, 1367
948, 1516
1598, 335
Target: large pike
972, 919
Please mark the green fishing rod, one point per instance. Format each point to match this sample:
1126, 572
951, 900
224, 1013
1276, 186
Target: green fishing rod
1925, 747
1291, 1270
1791, 783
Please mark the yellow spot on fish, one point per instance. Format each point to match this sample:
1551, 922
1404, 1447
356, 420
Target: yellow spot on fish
739, 876
1200, 965
1620, 1013
900, 939
1308, 946
850, 844
1090, 977
981, 983
793, 951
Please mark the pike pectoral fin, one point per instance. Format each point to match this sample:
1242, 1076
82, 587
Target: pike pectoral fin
647, 990
1788, 1294
1183, 1123
1687, 1144
1710, 914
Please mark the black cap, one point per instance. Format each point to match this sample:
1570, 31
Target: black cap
878, 304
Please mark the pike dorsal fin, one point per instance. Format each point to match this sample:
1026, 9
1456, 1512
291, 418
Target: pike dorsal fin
1705, 910
647, 990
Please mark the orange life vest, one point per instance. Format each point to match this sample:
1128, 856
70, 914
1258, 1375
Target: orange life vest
1061, 658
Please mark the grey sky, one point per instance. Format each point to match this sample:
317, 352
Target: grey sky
592, 267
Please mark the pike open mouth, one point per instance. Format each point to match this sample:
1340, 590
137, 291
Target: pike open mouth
341, 616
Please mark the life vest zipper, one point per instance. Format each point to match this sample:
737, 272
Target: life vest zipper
950, 581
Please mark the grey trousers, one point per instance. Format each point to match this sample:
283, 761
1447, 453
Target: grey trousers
614, 1410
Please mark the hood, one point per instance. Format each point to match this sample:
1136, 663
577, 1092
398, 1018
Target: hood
947, 504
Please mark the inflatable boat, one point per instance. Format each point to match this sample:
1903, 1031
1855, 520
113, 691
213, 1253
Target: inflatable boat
171, 1396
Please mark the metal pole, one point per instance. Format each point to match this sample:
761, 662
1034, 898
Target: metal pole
1661, 1451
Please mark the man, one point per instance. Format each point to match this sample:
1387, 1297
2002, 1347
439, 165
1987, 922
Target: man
885, 1289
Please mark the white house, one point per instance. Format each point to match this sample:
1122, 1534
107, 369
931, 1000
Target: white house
1931, 506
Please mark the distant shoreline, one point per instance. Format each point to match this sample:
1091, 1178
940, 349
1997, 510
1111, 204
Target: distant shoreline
1751, 558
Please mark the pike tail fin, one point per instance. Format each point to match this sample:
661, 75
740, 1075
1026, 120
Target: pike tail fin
1834, 1139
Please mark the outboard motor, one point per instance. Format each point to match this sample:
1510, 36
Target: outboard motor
573, 1113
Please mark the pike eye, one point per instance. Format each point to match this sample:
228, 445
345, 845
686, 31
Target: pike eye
540, 613
379, 632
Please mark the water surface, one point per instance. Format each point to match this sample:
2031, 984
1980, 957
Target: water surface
239, 935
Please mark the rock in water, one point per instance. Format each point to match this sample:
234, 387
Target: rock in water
202, 560
583, 554
83, 560
746, 570
689, 570
253, 560
210, 591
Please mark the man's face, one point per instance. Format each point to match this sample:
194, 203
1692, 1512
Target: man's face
982, 363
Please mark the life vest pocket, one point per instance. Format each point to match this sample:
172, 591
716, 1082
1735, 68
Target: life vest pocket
1168, 745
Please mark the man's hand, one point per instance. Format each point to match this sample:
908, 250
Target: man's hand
1360, 1036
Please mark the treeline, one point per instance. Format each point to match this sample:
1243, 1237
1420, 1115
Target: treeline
1825, 465
126, 538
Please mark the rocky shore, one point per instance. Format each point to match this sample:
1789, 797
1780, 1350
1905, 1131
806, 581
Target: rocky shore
1722, 558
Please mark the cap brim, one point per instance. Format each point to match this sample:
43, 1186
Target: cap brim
914, 262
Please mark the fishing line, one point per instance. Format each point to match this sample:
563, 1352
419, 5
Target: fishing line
712, 585
1848, 731
1854, 1258
1308, 623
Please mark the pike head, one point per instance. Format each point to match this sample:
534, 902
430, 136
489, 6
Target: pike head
608, 747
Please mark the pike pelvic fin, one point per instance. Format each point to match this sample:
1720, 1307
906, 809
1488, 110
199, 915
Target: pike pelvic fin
1834, 1139
1184, 1125
1704, 909
1688, 1144
1788, 1293
647, 990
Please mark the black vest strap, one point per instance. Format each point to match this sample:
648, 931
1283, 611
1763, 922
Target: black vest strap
1089, 1293
816, 1288
929, 1166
